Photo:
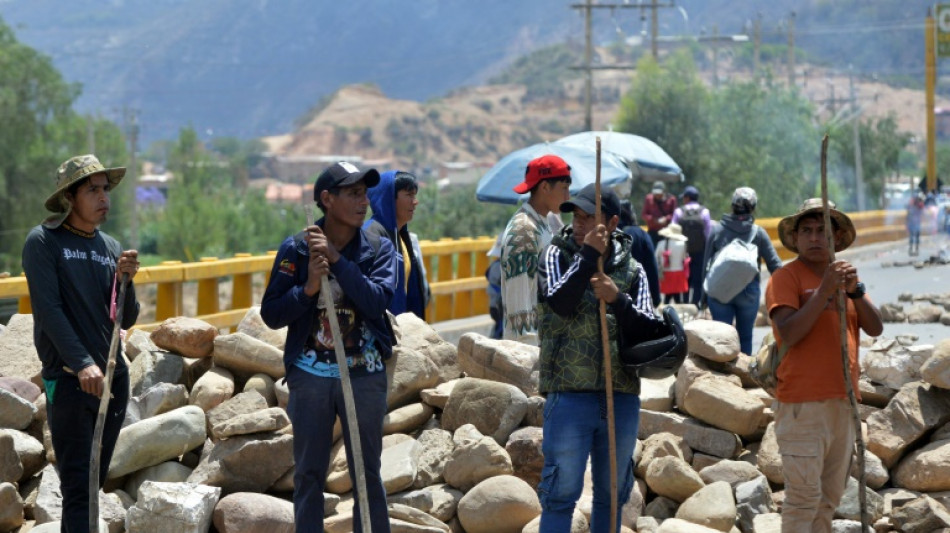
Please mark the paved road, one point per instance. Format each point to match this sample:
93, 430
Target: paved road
886, 282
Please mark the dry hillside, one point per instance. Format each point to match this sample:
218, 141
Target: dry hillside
482, 124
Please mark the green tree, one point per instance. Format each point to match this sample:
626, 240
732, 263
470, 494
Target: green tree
40, 131
669, 104
209, 212
881, 147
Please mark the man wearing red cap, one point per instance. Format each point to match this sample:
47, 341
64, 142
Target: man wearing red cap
547, 179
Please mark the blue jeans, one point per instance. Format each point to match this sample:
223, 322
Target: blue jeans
575, 428
743, 309
313, 407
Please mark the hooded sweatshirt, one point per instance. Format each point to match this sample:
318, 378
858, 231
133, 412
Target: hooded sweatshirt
409, 295
732, 226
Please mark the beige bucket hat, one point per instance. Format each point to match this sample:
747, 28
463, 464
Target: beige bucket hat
786, 226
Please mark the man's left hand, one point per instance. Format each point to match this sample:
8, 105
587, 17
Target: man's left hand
604, 287
128, 263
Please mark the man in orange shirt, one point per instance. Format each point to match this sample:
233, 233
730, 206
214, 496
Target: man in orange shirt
813, 423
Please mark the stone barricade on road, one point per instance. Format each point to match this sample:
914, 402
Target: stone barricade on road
210, 443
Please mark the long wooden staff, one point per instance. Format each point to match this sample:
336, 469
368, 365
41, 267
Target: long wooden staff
608, 369
349, 403
96, 450
845, 360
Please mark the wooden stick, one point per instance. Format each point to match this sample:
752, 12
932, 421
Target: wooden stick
96, 450
349, 403
608, 369
845, 360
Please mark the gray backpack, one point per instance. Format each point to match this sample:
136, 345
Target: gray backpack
732, 269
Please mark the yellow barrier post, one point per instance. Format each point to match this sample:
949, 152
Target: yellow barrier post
463, 299
427, 261
242, 294
168, 300
208, 292
443, 302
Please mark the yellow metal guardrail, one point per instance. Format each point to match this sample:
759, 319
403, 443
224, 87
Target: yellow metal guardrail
456, 269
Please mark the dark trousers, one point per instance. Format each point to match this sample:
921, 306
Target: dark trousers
72, 421
696, 277
314, 404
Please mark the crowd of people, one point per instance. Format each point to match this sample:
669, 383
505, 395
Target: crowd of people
551, 281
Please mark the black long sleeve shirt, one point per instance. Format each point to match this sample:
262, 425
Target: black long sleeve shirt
71, 278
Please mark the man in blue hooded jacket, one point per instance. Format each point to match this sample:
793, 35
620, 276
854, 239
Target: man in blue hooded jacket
393, 202
360, 271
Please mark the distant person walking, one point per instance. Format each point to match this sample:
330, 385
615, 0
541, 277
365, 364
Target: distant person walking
73, 270
740, 224
674, 264
915, 214
658, 208
697, 226
548, 180
394, 202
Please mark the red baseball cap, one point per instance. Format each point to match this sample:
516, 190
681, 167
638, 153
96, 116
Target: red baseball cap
543, 168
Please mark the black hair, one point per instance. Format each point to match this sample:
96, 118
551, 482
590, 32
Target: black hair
405, 181
819, 217
74, 187
335, 191
559, 179
627, 216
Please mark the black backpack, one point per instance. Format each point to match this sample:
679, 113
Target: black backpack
693, 228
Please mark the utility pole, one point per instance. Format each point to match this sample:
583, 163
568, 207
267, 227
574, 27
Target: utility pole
756, 43
654, 29
132, 130
791, 49
588, 6
930, 62
715, 51
589, 77
858, 172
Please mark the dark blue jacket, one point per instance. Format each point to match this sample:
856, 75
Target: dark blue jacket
642, 250
382, 199
365, 273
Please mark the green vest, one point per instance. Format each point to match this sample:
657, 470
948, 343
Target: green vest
571, 347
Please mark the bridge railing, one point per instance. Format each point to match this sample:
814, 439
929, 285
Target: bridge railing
223, 289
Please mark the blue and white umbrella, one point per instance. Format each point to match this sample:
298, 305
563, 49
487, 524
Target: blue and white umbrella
497, 184
646, 159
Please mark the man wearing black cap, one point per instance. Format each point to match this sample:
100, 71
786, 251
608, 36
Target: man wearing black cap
696, 225
361, 270
571, 362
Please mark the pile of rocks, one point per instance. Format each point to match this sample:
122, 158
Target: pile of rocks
207, 443
923, 309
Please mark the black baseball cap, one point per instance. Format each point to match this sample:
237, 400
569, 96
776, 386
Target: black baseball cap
342, 174
586, 199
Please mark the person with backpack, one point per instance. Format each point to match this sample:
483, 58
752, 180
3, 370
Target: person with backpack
394, 202
813, 424
696, 223
674, 264
743, 306
360, 269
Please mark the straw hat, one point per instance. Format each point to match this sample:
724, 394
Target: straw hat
786, 226
673, 232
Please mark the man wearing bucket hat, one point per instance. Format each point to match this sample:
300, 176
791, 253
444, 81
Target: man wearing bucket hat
813, 424
72, 271
547, 179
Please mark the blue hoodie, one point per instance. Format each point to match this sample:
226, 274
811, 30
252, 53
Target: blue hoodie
382, 200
